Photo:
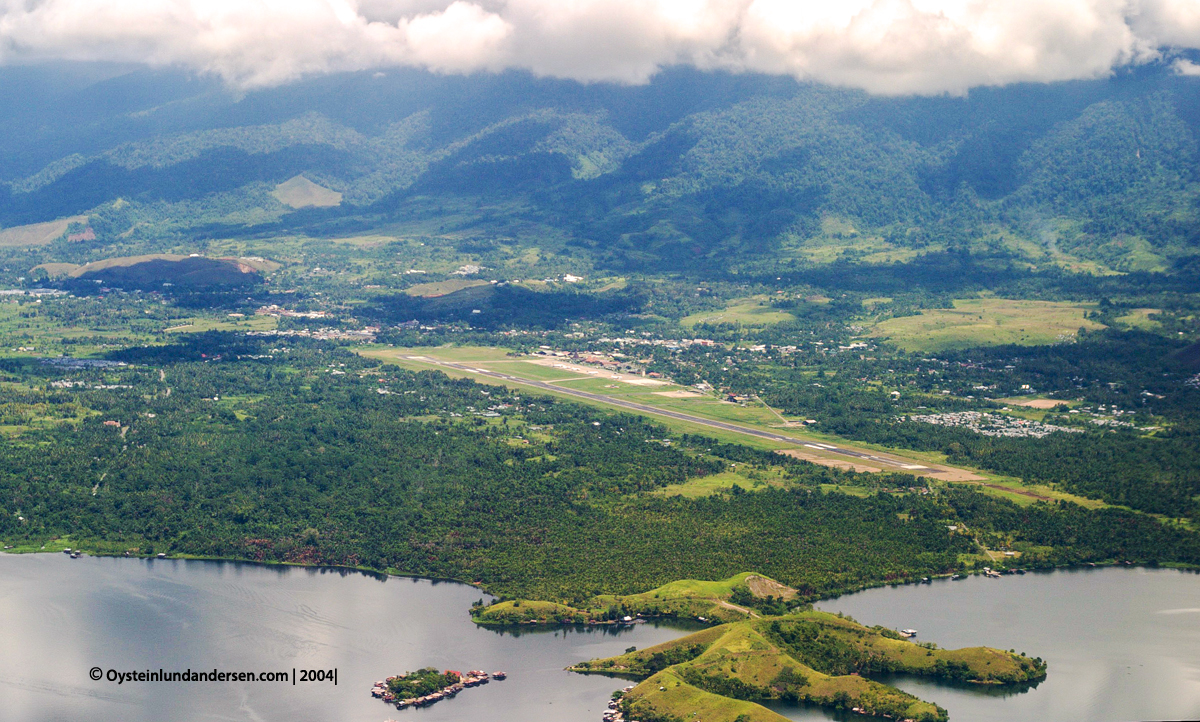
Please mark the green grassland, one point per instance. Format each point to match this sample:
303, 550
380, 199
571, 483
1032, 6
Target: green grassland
688, 598
38, 234
751, 311
808, 656
1140, 318
986, 322
529, 370
724, 482
442, 288
300, 192
201, 324
29, 328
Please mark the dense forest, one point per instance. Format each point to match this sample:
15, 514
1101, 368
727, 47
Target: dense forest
238, 448
701, 172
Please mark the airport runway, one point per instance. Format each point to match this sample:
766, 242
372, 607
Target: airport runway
882, 461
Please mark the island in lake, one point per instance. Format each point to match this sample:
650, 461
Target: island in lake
427, 686
765, 645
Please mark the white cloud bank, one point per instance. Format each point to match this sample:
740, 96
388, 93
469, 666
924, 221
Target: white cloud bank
883, 46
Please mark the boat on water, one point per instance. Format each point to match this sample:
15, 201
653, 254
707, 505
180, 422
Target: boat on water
499, 675
908, 633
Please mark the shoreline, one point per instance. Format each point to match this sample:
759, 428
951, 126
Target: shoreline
367, 571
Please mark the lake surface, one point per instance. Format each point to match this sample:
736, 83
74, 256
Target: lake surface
1123, 644
61, 617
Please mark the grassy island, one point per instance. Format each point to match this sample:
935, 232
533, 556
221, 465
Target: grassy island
718, 674
742, 596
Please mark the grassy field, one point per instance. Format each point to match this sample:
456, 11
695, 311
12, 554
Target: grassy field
300, 192
530, 370
751, 311
37, 234
685, 599
722, 482
200, 324
442, 288
1140, 318
986, 322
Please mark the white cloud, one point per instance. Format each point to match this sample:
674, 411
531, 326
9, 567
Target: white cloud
884, 46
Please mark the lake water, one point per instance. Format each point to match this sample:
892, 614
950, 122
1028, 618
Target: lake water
61, 617
1123, 644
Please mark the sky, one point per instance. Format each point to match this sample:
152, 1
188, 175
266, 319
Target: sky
889, 47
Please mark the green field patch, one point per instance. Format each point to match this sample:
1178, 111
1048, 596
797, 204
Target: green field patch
751, 311
38, 234
53, 270
687, 598
458, 354
1140, 318
722, 483
300, 192
986, 322
443, 288
602, 383
530, 370
206, 323
711, 408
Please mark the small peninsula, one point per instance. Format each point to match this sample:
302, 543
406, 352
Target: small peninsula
765, 645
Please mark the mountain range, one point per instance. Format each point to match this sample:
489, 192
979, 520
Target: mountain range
693, 168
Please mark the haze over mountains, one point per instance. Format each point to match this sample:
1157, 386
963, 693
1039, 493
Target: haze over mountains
693, 165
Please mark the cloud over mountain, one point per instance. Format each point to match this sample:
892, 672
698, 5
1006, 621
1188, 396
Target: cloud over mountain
883, 46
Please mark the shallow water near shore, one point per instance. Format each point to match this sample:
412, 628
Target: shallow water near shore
61, 617
1123, 644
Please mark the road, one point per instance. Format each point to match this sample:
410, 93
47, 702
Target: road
874, 459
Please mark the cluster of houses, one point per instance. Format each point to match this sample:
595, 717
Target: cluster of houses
366, 334
474, 678
992, 424
613, 713
280, 312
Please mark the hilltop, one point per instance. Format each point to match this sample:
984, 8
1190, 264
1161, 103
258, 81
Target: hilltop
811, 656
153, 272
739, 597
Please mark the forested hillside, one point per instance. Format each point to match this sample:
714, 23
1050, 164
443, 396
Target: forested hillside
689, 171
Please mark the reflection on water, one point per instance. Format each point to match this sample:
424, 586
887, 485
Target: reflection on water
680, 627
62, 617
1122, 644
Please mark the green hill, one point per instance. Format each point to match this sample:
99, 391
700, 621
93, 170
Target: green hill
739, 597
813, 657
153, 272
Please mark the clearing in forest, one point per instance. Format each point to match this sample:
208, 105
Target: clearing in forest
986, 322
300, 192
442, 288
751, 311
38, 234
